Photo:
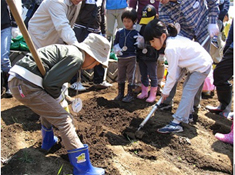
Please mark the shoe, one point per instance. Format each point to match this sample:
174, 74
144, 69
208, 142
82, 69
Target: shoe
171, 128
213, 109
103, 85
165, 107
228, 115
190, 118
8, 93
78, 86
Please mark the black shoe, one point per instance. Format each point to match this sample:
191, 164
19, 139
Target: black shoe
8, 93
165, 107
213, 109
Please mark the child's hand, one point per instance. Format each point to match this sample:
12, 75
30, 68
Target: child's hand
164, 96
117, 50
139, 41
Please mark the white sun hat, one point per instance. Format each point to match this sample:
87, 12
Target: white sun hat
96, 46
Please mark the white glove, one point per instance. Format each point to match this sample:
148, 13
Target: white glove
117, 50
139, 41
213, 29
15, 31
60, 98
177, 26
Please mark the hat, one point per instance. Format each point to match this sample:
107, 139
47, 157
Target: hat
148, 13
96, 46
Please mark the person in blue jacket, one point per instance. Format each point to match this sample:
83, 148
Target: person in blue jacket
114, 10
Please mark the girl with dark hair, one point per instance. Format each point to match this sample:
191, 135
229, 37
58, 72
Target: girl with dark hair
181, 53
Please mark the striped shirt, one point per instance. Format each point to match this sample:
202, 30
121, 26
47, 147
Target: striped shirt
192, 15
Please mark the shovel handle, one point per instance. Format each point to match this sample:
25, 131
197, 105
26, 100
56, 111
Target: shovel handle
154, 108
26, 36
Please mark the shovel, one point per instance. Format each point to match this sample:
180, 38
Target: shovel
139, 134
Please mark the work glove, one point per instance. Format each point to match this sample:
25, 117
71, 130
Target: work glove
213, 29
117, 50
15, 31
139, 41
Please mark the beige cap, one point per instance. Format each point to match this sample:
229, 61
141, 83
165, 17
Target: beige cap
96, 46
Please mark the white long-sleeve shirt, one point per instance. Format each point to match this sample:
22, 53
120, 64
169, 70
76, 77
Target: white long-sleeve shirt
180, 53
52, 23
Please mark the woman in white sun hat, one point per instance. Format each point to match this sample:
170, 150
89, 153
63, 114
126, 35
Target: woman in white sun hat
43, 94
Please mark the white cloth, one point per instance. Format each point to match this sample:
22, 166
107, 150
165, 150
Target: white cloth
15, 31
52, 23
180, 53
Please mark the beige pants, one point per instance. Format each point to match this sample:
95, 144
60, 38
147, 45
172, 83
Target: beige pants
111, 17
50, 111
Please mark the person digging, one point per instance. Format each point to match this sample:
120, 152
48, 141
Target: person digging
43, 94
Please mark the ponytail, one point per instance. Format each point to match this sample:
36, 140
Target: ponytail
172, 31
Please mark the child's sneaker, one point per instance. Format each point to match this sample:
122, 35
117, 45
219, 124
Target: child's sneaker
171, 128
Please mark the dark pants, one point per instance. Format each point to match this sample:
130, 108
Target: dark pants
224, 70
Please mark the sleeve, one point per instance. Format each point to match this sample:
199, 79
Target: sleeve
164, 14
116, 41
133, 3
213, 8
224, 10
173, 71
102, 15
64, 71
19, 8
62, 24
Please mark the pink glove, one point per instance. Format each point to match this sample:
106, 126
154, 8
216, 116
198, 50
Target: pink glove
213, 29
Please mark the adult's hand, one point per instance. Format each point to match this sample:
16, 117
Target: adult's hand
213, 29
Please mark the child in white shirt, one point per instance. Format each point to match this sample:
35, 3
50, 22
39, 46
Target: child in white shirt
181, 53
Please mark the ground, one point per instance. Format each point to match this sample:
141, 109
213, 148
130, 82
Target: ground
102, 124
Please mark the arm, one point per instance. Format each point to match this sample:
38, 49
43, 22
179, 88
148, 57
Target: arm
63, 62
164, 14
61, 22
133, 3
213, 8
224, 10
173, 71
102, 17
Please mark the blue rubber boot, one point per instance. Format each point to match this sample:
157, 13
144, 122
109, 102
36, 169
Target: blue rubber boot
80, 160
48, 138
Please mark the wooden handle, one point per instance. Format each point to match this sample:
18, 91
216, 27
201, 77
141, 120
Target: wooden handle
26, 36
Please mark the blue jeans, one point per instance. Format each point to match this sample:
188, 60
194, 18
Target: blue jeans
5, 49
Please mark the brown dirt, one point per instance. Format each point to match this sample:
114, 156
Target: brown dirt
102, 124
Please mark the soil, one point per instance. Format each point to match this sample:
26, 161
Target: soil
102, 124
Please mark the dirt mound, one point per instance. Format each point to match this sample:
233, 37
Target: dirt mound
102, 124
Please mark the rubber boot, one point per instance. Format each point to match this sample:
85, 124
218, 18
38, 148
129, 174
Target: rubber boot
130, 95
48, 138
80, 160
152, 96
144, 92
121, 88
227, 138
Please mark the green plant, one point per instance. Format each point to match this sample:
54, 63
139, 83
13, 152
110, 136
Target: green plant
26, 157
60, 169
